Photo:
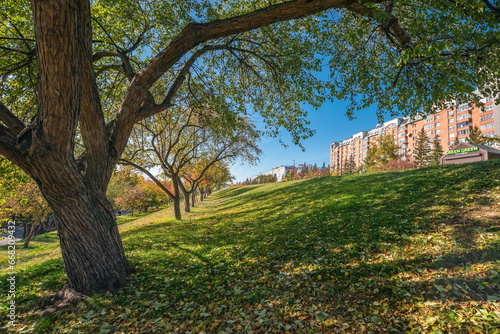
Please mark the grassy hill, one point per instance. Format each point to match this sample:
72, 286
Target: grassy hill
409, 251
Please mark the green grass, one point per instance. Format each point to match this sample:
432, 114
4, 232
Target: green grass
410, 251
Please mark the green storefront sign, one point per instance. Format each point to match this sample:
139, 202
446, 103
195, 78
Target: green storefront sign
463, 150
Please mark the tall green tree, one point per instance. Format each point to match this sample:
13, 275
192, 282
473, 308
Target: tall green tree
79, 74
422, 150
436, 153
476, 137
349, 166
381, 153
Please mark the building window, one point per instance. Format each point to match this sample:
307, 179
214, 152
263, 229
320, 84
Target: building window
486, 117
487, 99
462, 140
429, 118
429, 133
451, 128
488, 108
487, 126
438, 117
463, 132
451, 113
489, 134
427, 127
451, 120
463, 107
438, 131
463, 124
466, 115
452, 135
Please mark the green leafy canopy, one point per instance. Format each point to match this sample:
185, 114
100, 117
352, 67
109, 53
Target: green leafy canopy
450, 50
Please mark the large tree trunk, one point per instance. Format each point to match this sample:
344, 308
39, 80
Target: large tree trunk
187, 201
193, 196
90, 243
177, 207
75, 189
34, 225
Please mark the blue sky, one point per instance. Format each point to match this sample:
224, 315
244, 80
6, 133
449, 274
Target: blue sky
331, 124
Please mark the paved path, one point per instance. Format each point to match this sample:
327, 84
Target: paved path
5, 241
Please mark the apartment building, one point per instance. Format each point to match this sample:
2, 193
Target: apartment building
452, 125
278, 172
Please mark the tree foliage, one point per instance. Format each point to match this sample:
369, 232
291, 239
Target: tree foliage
349, 166
437, 152
421, 151
380, 153
477, 137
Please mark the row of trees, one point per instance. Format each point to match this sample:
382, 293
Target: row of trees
190, 147
127, 191
302, 171
305, 171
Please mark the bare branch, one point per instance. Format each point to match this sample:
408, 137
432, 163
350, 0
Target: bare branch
494, 8
8, 149
390, 22
179, 80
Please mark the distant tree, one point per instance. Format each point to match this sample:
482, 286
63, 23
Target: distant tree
27, 203
266, 179
381, 153
215, 177
421, 152
304, 170
400, 163
120, 182
437, 152
387, 149
477, 137
349, 166
135, 198
370, 161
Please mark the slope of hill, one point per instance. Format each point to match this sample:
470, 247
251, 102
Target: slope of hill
410, 251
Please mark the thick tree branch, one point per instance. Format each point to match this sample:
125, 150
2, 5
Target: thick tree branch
60, 72
148, 173
167, 102
10, 120
91, 118
390, 22
8, 149
197, 33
